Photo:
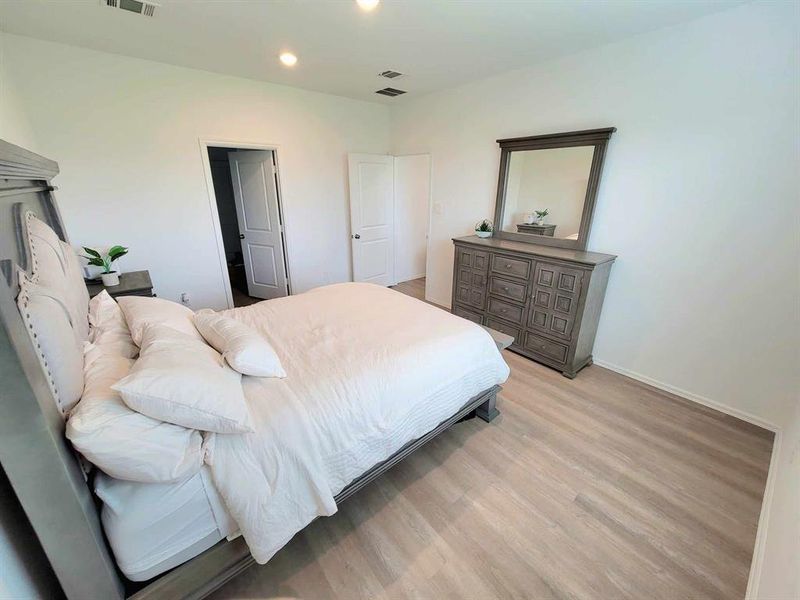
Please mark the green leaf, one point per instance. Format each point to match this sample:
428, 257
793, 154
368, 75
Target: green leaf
116, 252
95, 261
92, 252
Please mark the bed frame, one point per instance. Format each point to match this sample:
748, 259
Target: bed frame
45, 473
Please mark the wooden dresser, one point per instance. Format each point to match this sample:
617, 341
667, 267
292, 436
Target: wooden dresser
549, 299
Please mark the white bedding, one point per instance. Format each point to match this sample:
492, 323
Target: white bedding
368, 370
153, 527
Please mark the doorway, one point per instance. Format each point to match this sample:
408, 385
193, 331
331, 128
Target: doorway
247, 197
390, 218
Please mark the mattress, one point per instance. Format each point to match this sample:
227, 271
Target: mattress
153, 527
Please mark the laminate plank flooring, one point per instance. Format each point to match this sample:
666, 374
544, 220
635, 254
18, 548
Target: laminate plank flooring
597, 487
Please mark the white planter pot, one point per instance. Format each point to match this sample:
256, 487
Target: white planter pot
483, 234
110, 279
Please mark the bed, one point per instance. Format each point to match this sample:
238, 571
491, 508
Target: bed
371, 376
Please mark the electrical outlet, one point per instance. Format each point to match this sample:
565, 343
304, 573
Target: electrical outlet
185, 298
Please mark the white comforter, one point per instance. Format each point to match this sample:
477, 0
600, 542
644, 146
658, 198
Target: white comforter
368, 370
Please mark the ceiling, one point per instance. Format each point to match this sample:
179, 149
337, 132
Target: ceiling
341, 49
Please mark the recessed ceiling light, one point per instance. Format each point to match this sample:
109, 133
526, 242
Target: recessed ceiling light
367, 5
288, 59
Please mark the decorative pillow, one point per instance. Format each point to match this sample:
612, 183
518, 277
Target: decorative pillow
140, 310
122, 442
181, 380
243, 349
77, 295
109, 328
48, 321
48, 267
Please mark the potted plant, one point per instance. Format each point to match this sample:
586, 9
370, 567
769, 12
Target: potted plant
484, 229
540, 215
110, 278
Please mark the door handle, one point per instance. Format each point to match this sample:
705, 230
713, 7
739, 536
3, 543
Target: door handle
357, 237
241, 236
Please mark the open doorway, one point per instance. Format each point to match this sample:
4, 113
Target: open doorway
390, 219
412, 215
247, 197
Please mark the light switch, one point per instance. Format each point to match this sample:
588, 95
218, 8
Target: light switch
438, 209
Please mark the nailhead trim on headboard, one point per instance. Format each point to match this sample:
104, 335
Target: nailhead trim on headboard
23, 300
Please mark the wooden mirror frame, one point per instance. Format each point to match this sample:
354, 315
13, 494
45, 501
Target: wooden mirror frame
590, 137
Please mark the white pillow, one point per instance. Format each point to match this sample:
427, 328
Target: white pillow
76, 294
122, 442
140, 310
242, 347
109, 328
59, 351
180, 380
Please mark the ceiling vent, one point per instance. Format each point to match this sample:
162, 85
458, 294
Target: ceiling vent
391, 92
139, 7
390, 74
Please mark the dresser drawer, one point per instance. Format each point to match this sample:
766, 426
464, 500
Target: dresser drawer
507, 329
546, 348
466, 294
505, 310
513, 267
468, 314
508, 289
557, 277
473, 259
469, 277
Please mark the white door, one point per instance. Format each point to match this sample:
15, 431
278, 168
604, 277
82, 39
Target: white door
372, 217
255, 190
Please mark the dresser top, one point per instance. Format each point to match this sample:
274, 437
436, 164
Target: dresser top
579, 256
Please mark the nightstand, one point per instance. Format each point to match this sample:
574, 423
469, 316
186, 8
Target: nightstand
135, 283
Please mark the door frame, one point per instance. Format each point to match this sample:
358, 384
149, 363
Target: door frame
212, 203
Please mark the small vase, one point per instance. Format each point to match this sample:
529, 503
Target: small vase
110, 279
483, 234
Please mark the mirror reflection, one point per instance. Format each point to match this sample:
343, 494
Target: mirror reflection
545, 191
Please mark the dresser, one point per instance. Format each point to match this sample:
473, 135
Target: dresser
548, 298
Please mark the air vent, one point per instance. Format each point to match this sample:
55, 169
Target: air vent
390, 74
391, 92
147, 9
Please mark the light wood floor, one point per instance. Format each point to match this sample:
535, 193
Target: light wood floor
597, 487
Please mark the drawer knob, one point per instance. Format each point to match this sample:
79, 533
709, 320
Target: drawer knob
508, 265
505, 288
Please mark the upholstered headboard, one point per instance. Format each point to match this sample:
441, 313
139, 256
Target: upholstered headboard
35, 456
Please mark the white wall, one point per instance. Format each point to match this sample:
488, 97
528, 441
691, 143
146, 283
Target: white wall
126, 135
779, 576
699, 196
15, 126
412, 184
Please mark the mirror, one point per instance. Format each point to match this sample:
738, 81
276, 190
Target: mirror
547, 187
545, 191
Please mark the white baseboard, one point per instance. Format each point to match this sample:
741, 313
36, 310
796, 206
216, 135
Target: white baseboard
754, 580
728, 410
